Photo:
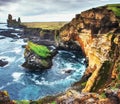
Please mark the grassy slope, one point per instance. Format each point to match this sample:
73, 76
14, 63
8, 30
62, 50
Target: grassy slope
40, 50
45, 25
115, 8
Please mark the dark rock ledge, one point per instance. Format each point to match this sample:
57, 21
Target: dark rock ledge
3, 63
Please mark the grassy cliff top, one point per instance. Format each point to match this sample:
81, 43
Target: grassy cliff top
115, 8
40, 50
45, 25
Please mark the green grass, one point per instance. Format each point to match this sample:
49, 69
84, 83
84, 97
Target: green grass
22, 102
103, 96
103, 76
115, 8
40, 50
45, 25
53, 102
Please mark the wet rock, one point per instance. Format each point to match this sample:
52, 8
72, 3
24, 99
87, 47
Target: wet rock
23, 46
4, 98
3, 63
36, 63
113, 96
67, 71
11, 33
2, 37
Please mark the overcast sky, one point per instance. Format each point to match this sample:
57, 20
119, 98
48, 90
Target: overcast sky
47, 10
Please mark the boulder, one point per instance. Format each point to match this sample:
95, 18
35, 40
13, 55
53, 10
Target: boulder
3, 63
4, 98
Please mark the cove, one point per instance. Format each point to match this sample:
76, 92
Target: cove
22, 84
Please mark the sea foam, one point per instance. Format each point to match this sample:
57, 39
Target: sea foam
17, 76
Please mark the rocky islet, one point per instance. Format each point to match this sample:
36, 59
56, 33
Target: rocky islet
38, 57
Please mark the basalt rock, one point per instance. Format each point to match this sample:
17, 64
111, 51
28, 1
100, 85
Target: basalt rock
13, 22
3, 63
40, 36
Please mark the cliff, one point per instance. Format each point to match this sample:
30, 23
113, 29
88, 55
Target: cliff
97, 32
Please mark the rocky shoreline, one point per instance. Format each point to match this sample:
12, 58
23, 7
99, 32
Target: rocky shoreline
97, 32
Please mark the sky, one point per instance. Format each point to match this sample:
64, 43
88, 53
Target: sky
47, 10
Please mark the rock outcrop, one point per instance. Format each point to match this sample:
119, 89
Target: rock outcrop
5, 99
13, 22
38, 57
40, 36
3, 62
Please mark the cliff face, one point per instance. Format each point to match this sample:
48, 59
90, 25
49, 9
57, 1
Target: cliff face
97, 32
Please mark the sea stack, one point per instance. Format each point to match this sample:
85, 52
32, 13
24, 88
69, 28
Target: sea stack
13, 22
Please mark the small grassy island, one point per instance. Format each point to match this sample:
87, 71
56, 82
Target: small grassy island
40, 50
37, 57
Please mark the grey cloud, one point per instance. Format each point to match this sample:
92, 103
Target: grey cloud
40, 7
4, 2
48, 6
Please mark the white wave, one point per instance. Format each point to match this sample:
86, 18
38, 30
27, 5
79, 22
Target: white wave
18, 29
73, 56
64, 71
17, 76
57, 82
42, 78
83, 60
7, 58
69, 65
20, 59
2, 87
17, 50
20, 42
14, 34
65, 52
2, 36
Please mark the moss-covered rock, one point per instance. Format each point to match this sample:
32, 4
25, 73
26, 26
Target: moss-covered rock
40, 50
38, 57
